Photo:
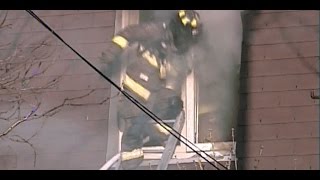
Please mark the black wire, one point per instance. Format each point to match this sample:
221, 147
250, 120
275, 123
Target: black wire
133, 100
157, 119
137, 103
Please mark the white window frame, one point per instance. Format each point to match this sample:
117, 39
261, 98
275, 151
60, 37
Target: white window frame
189, 97
123, 18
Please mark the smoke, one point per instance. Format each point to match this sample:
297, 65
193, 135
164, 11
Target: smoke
218, 71
217, 65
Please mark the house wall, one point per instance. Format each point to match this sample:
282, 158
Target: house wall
69, 128
279, 122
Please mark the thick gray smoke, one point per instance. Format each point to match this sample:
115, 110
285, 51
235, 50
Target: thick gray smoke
217, 66
218, 71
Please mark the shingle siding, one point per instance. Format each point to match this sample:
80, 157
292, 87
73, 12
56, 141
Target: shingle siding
278, 121
75, 137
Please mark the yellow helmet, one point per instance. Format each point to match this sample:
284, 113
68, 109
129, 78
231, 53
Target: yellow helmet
186, 29
190, 19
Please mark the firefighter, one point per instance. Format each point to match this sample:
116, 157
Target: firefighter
144, 81
153, 76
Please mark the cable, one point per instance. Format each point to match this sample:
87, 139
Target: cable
157, 119
137, 103
133, 100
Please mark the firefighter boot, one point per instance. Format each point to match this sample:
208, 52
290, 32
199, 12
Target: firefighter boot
131, 147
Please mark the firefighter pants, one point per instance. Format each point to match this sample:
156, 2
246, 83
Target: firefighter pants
164, 104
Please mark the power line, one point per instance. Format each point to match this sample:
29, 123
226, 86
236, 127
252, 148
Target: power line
132, 99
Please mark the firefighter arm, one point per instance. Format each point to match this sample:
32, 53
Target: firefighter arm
132, 34
110, 60
141, 33
111, 56
112, 53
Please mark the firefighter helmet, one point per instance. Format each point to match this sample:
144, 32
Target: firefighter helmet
186, 29
190, 21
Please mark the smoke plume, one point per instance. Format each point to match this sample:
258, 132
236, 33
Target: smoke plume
217, 65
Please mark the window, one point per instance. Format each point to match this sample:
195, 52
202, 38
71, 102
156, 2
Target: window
190, 94
198, 110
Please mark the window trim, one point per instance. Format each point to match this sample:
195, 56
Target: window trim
122, 19
189, 130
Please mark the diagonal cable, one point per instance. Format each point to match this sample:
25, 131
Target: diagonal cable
133, 100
